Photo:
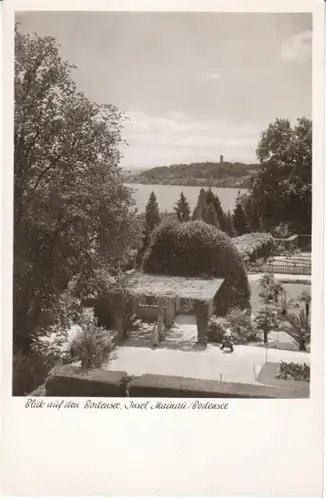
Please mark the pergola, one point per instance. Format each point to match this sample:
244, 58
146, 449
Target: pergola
159, 285
173, 290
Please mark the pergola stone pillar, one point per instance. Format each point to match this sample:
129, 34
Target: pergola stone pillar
201, 311
210, 308
160, 317
170, 311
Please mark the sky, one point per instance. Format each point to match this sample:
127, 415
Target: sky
194, 85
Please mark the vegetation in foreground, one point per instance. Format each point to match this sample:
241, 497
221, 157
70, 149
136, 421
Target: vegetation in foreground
293, 371
74, 218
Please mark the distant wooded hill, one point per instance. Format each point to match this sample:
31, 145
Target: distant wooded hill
224, 174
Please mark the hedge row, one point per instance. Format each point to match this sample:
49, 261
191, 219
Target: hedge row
71, 382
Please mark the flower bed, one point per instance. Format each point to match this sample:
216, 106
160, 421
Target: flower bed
293, 371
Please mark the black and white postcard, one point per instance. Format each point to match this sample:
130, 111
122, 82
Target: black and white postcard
163, 248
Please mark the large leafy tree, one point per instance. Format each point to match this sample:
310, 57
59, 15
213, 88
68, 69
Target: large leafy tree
74, 217
282, 188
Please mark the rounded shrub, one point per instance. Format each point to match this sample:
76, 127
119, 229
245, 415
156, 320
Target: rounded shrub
92, 345
197, 249
217, 328
254, 246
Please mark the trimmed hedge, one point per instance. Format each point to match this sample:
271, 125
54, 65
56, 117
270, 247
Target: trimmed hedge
156, 386
197, 249
69, 381
255, 246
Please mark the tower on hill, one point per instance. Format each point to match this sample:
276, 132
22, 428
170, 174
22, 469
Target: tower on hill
221, 159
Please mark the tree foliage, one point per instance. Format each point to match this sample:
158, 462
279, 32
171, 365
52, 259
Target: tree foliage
182, 208
298, 326
281, 189
209, 210
305, 298
73, 215
152, 213
209, 216
266, 320
239, 218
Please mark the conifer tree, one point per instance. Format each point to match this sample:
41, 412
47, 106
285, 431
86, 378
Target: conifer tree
152, 213
210, 215
229, 219
182, 208
211, 199
199, 208
240, 223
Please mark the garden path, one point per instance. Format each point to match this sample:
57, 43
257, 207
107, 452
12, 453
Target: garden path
208, 363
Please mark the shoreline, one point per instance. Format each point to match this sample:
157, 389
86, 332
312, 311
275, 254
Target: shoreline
186, 184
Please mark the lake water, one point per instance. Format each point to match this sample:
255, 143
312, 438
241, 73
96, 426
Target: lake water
167, 196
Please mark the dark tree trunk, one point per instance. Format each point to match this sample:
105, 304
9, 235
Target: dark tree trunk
265, 336
307, 310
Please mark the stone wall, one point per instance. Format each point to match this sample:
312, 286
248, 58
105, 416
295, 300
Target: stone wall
72, 382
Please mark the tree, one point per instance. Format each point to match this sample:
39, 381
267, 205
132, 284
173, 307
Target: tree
182, 208
266, 320
207, 204
146, 238
210, 216
271, 289
213, 199
305, 297
281, 189
240, 322
251, 211
299, 328
73, 215
152, 213
284, 304
200, 206
229, 219
240, 223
